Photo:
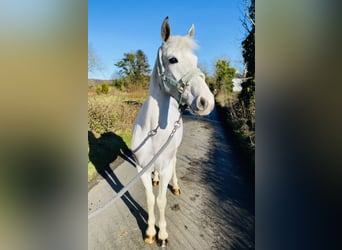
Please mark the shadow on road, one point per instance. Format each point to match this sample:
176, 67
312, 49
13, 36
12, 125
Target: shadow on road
229, 184
103, 151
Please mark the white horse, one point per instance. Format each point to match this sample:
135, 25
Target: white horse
175, 80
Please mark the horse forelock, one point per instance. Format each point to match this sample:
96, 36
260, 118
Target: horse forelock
181, 43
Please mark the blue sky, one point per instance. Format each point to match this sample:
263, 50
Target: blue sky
118, 27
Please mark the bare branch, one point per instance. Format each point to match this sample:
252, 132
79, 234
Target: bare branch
94, 62
247, 16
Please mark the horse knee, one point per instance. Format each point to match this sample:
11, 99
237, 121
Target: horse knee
161, 202
150, 198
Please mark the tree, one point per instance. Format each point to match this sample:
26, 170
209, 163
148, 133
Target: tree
143, 68
224, 75
94, 62
134, 68
126, 65
247, 95
210, 80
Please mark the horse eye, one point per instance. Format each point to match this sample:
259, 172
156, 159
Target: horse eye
173, 60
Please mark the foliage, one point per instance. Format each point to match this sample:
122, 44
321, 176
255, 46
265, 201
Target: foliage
235, 119
223, 79
134, 70
113, 112
104, 88
238, 109
91, 169
208, 79
119, 84
212, 84
98, 90
241, 110
142, 66
247, 95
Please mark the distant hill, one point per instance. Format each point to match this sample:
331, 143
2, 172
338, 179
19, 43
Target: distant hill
95, 82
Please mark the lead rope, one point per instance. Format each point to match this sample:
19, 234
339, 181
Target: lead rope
143, 170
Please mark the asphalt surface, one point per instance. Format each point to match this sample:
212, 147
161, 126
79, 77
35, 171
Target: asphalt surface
214, 211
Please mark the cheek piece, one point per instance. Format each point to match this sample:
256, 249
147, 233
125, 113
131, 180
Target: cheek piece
173, 87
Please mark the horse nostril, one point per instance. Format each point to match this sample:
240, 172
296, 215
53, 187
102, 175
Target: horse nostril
203, 103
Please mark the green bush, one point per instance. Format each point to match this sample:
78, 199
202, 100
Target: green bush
119, 84
98, 90
105, 88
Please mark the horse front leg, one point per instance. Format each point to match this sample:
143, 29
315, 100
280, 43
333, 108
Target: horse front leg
165, 178
150, 235
175, 187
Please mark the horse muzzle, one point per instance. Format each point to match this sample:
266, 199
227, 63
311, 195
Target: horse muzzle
202, 105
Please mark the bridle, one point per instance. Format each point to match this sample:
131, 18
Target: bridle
169, 85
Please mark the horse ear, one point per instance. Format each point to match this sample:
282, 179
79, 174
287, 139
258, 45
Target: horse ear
165, 29
191, 31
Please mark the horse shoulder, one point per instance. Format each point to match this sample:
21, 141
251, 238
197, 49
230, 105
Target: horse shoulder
144, 122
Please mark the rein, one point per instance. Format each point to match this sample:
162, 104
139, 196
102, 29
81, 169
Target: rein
143, 170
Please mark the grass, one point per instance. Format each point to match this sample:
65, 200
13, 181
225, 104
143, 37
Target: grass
241, 123
113, 112
91, 171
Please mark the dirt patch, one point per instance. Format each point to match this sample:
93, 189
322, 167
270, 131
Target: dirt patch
193, 163
175, 207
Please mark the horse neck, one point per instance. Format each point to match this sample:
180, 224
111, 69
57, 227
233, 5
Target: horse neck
167, 105
156, 92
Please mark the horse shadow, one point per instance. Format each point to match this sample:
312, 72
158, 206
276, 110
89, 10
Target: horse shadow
103, 151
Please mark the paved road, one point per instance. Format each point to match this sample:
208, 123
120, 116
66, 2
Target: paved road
214, 211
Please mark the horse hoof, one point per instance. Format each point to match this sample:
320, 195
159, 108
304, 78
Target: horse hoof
150, 239
163, 243
176, 191
155, 183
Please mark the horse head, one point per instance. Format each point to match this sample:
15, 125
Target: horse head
180, 76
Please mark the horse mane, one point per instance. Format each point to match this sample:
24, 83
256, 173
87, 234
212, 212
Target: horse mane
181, 42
